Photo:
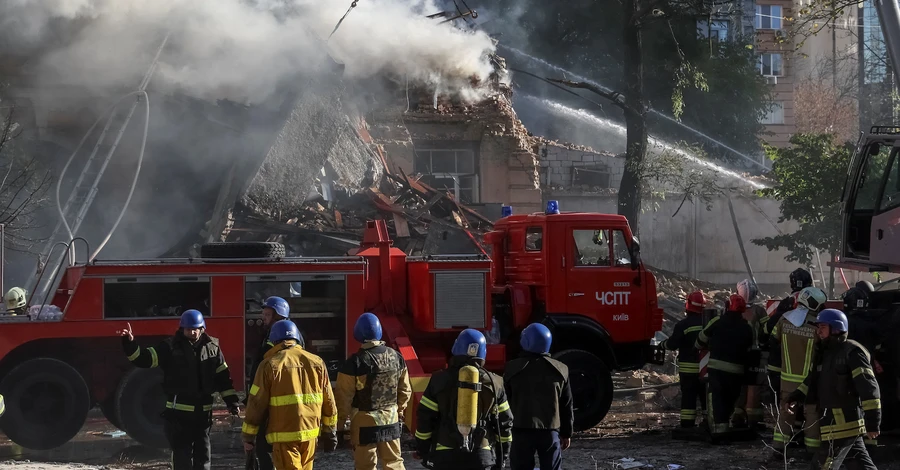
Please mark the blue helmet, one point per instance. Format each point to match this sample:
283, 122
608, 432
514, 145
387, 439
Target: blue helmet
835, 319
283, 330
192, 319
470, 343
367, 328
279, 305
536, 338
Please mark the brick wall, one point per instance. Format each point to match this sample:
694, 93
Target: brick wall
578, 168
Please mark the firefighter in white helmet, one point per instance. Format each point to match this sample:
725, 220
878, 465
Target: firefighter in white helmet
16, 301
479, 437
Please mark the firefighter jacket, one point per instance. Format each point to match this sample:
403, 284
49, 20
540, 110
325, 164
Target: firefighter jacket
539, 393
373, 390
728, 338
844, 388
798, 346
437, 436
292, 388
766, 325
192, 373
683, 338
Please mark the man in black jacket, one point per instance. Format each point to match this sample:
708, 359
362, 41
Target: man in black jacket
439, 441
684, 335
193, 370
728, 338
541, 402
843, 387
274, 309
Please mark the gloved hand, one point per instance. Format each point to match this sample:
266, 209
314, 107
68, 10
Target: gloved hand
234, 409
329, 441
344, 439
795, 397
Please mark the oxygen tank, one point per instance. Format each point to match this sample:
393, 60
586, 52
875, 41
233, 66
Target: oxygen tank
467, 402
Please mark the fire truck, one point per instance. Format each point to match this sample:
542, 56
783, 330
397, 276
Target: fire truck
578, 273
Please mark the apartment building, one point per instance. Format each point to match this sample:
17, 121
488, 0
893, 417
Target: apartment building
774, 50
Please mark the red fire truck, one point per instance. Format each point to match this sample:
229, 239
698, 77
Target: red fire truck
578, 273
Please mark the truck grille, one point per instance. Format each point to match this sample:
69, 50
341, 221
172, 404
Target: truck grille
459, 299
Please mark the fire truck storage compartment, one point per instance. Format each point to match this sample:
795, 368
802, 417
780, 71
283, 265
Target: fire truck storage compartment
155, 296
449, 292
318, 307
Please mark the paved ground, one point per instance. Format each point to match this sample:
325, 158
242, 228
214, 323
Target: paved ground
635, 429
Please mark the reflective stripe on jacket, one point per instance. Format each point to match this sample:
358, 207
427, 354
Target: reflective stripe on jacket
684, 335
292, 388
728, 338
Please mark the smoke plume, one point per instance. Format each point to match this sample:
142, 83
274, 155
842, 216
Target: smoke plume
241, 49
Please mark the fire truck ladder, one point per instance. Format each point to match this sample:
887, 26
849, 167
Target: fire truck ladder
86, 186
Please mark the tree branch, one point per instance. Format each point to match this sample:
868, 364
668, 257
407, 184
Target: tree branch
616, 98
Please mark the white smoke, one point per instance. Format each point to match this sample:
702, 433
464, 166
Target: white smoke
243, 49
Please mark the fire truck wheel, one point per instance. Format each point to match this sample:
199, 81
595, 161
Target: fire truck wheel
236, 250
592, 386
139, 403
108, 408
47, 402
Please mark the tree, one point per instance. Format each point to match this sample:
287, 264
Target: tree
806, 176
826, 101
23, 183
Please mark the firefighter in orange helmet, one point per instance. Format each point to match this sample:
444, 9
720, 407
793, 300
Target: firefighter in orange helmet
728, 338
292, 388
684, 335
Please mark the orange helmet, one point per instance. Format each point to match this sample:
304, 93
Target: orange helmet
736, 303
695, 302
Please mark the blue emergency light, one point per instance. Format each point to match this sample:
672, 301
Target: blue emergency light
505, 211
552, 207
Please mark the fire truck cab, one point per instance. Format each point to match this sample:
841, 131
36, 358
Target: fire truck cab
580, 274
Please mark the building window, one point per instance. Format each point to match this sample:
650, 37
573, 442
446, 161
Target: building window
450, 169
874, 50
771, 65
717, 29
593, 177
768, 17
775, 114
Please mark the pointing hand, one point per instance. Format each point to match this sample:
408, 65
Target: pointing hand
126, 332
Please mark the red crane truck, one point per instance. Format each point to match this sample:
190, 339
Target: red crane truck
578, 273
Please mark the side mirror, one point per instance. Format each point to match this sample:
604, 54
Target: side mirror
635, 253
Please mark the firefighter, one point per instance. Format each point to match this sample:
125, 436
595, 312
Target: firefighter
683, 339
866, 328
292, 389
193, 370
795, 336
728, 338
541, 402
16, 301
800, 279
274, 309
373, 391
748, 410
464, 420
844, 388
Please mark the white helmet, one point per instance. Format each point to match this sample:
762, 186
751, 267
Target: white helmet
812, 298
748, 290
16, 298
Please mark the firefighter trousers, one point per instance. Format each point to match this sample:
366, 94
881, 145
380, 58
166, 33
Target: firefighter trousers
692, 390
724, 389
789, 426
367, 457
849, 452
263, 449
526, 442
188, 436
748, 410
293, 455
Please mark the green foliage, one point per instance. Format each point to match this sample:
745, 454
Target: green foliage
809, 176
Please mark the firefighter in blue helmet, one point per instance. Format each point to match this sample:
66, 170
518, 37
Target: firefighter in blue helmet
373, 391
464, 420
843, 387
541, 402
194, 369
274, 310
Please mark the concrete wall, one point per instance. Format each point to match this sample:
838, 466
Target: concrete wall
702, 244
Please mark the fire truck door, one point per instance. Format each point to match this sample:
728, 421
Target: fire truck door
600, 282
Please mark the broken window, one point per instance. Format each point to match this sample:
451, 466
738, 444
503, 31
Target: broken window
449, 166
596, 176
143, 297
534, 239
